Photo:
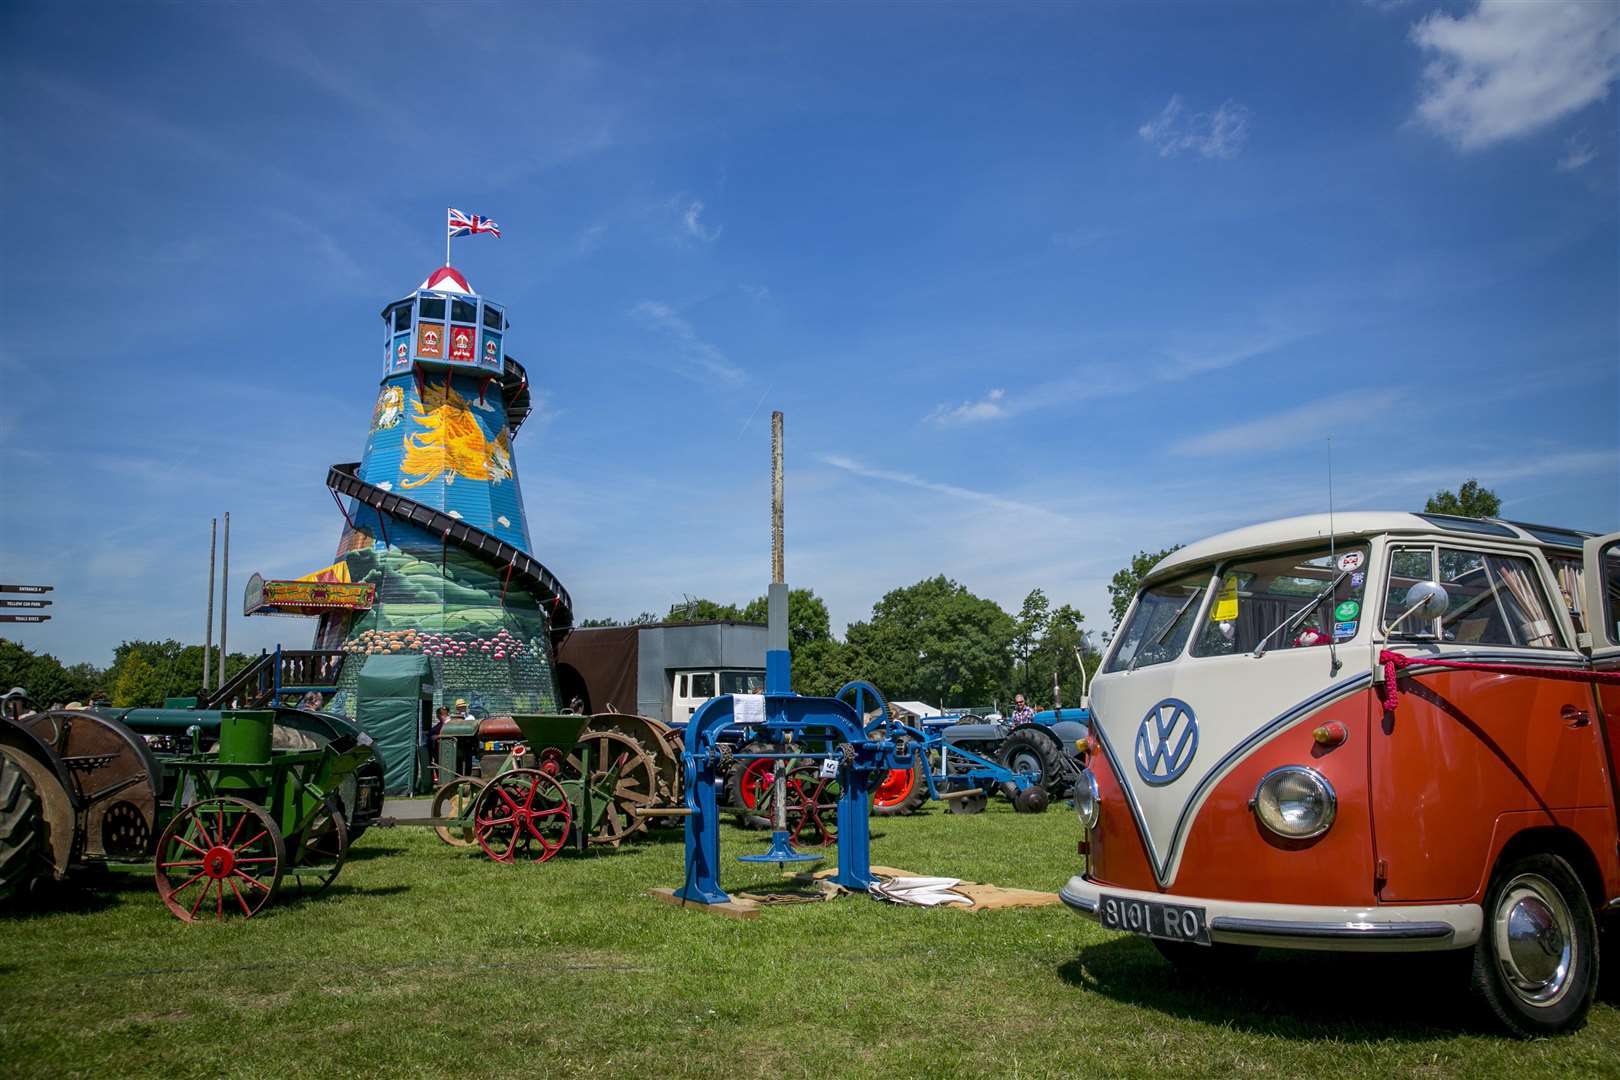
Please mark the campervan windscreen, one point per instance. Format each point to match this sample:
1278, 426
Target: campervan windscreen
1256, 597
1157, 630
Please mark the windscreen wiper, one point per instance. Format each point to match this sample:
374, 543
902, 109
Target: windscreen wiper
1260, 649
1162, 634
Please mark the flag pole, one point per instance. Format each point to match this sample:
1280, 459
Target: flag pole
447, 238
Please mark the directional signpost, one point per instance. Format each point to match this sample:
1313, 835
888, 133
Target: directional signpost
8, 601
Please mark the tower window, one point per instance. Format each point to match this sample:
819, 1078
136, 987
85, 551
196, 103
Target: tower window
432, 309
462, 311
402, 318
492, 317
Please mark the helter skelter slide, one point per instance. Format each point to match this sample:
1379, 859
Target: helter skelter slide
435, 593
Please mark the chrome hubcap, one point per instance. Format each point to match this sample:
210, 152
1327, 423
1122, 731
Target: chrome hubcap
1535, 939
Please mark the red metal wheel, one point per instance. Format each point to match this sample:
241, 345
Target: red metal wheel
812, 803
522, 814
221, 857
754, 787
895, 787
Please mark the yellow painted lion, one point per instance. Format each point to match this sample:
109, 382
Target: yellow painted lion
453, 443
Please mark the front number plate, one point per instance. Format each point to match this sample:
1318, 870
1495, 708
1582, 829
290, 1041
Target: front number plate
1172, 922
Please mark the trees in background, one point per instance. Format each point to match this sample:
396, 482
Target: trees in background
143, 673
1470, 500
935, 641
47, 679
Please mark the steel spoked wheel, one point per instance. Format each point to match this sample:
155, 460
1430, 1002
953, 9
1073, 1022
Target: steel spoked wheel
637, 784
523, 814
326, 845
1536, 963
219, 858
812, 806
456, 800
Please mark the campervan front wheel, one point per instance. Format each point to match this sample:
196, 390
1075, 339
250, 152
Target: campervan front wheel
1536, 963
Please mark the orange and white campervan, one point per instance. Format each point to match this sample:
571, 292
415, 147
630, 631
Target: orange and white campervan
1400, 734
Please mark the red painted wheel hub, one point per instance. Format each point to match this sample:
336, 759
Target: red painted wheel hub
896, 785
220, 862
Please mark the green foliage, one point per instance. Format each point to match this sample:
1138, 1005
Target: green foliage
137, 683
1470, 500
1123, 587
47, 680
936, 641
176, 668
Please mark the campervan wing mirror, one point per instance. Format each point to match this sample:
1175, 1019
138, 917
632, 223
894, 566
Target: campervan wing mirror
1427, 600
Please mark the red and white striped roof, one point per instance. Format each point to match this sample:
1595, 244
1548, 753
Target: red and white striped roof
447, 279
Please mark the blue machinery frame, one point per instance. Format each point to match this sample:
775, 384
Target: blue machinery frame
863, 752
789, 720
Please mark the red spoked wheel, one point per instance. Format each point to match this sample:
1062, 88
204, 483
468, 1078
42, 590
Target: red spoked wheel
220, 857
523, 814
812, 804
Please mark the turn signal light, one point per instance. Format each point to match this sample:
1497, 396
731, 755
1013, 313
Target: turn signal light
1331, 734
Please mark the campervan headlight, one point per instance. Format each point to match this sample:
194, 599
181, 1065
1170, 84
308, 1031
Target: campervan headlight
1295, 802
1087, 803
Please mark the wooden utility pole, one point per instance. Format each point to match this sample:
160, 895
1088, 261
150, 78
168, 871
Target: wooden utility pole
777, 575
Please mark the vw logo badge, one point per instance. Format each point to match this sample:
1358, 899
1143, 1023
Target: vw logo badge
1166, 742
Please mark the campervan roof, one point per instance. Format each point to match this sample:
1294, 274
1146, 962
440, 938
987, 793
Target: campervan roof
1313, 527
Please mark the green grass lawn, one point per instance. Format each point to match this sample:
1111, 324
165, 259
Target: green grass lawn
426, 960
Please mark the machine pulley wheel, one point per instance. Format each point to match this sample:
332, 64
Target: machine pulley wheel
523, 814
219, 858
455, 800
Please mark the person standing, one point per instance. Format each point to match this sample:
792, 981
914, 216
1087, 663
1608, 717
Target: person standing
1021, 712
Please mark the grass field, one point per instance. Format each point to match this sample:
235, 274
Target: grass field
424, 960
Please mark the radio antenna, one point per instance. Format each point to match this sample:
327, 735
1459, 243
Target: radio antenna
1333, 559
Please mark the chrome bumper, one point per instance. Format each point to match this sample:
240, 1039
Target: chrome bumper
1381, 928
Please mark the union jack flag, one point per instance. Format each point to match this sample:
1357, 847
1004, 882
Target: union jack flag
471, 224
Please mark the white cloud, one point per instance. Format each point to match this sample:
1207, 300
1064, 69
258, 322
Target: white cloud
1578, 153
695, 227
951, 491
1307, 423
1218, 134
990, 407
1509, 68
1090, 381
702, 361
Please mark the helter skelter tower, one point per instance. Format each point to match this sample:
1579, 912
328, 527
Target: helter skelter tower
433, 520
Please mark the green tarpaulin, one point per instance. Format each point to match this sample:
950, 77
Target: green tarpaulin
390, 693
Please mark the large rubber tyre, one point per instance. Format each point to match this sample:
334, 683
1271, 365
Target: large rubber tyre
22, 830
892, 798
1030, 749
1536, 962
1205, 961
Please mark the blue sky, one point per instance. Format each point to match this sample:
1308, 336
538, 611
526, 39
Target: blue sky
1036, 286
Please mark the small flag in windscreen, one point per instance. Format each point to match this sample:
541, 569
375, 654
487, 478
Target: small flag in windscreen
471, 224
